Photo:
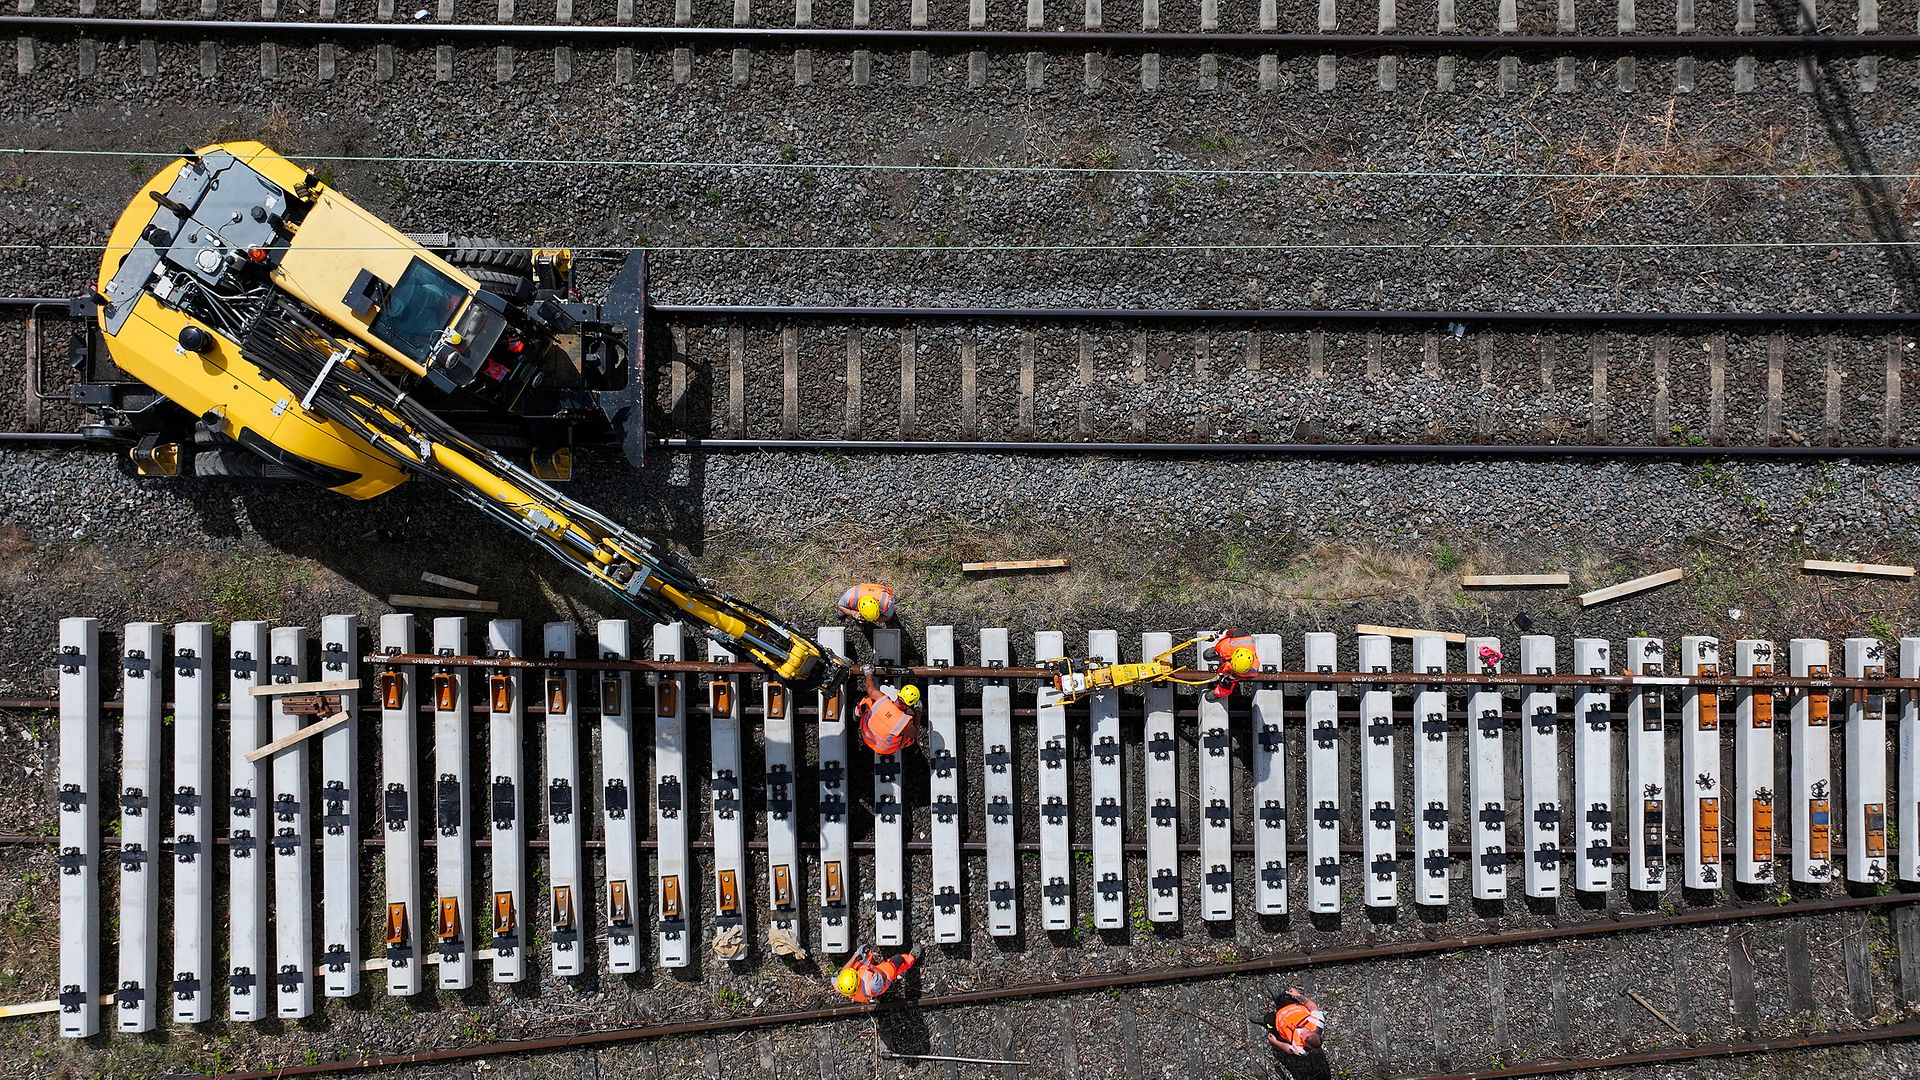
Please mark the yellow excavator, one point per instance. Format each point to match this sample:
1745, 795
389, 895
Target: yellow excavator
278, 330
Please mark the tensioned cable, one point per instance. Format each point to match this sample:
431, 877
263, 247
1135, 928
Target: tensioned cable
1037, 170
1122, 249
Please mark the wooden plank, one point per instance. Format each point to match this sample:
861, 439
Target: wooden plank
1497, 581
325, 686
1407, 632
1746, 998
444, 603
450, 583
1906, 933
29, 394
41, 1008
301, 735
1825, 566
1628, 588
1015, 564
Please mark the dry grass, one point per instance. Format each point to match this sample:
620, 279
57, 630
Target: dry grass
1650, 146
1168, 581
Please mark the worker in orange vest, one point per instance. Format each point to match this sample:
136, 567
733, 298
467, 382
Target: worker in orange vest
886, 721
1234, 651
869, 602
1297, 1023
866, 976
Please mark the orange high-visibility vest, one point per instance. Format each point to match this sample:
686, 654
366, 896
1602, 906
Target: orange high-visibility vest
850, 600
1291, 1023
885, 725
876, 977
1231, 642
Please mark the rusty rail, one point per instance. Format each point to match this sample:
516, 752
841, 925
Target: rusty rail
1087, 983
1884, 1033
1316, 679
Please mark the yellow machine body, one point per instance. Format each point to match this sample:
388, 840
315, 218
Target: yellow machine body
335, 241
1076, 680
351, 355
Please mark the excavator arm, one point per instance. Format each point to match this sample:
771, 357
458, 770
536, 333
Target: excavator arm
342, 386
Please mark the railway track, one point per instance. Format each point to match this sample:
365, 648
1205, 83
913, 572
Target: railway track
1127, 827
1017, 380
519, 47
1319, 962
417, 33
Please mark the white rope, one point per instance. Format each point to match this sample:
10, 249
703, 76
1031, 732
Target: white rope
1033, 170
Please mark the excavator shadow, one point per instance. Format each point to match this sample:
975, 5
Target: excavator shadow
383, 545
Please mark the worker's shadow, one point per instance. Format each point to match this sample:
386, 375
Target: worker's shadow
1313, 1066
903, 1031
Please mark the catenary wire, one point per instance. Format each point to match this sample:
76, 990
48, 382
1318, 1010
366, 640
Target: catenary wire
1017, 170
1122, 249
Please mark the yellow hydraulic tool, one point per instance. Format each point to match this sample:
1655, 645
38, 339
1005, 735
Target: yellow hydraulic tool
1075, 680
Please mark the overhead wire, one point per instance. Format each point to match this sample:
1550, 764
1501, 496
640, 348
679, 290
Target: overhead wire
1119, 248
1181, 172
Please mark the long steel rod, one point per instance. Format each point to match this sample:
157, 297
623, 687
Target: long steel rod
971, 847
1083, 984
1284, 678
1205, 41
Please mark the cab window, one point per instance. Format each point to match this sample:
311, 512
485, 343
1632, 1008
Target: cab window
421, 305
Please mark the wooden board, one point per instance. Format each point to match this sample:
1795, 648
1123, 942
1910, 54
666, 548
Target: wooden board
1015, 564
444, 603
332, 686
450, 583
38, 1008
1628, 588
1408, 632
301, 735
1496, 581
1824, 566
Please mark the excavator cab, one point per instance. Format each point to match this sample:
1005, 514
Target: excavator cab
234, 241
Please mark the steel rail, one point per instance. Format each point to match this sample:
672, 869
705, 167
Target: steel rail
1883, 1033
1042, 40
1285, 679
53, 438
816, 313
1462, 852
1347, 451
1504, 451
1087, 983
1404, 316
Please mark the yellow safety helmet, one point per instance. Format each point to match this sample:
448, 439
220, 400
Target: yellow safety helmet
909, 696
869, 608
848, 982
1242, 661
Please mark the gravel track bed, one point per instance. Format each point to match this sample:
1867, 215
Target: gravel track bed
893, 121
78, 535
1470, 16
